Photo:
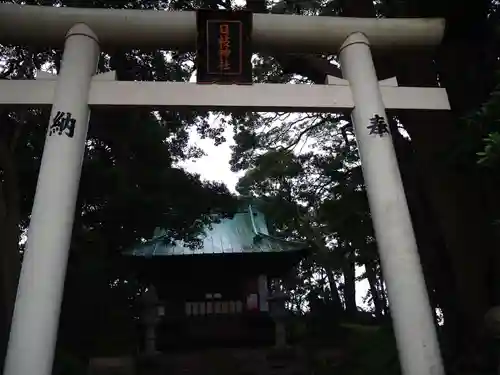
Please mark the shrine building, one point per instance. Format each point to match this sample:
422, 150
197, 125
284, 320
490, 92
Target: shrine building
217, 294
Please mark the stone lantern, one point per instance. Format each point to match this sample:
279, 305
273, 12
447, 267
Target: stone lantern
277, 303
150, 317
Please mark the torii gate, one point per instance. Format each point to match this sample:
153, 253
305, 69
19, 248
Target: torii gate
35, 321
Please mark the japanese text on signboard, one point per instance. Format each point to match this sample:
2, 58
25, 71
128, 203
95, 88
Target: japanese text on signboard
224, 47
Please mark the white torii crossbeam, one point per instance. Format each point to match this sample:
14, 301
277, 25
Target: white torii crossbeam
85, 32
332, 97
46, 26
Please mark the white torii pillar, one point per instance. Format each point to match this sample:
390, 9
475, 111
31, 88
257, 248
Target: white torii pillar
411, 313
36, 315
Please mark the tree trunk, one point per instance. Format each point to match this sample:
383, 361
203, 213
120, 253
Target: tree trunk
349, 270
336, 301
435, 261
454, 192
324, 258
9, 235
334, 291
378, 303
9, 264
456, 205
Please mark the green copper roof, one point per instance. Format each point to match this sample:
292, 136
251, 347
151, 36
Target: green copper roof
246, 232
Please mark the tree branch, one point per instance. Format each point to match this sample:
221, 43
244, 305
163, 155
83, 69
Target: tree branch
303, 132
310, 66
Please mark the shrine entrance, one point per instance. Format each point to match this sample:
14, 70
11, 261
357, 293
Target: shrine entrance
77, 88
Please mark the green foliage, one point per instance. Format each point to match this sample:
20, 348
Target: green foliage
372, 351
491, 154
67, 364
487, 118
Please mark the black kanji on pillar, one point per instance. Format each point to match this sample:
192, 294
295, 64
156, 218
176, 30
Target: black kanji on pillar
224, 49
378, 126
63, 123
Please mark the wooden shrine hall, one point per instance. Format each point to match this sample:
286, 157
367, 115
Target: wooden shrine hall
219, 293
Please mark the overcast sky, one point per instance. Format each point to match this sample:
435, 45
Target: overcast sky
215, 165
